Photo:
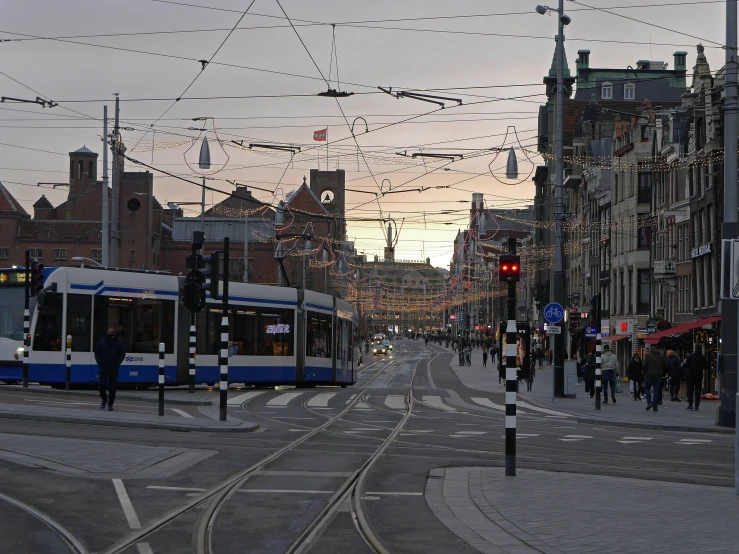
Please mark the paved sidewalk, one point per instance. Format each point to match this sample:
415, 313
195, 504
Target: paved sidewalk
626, 411
203, 396
567, 513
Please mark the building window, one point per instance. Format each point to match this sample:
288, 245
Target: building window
60, 254
644, 236
623, 291
68, 214
37, 253
80, 169
133, 255
629, 91
644, 133
679, 295
90, 170
645, 188
711, 232
4, 253
606, 91
97, 254
615, 188
642, 306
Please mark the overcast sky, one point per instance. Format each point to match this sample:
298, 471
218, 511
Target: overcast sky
482, 57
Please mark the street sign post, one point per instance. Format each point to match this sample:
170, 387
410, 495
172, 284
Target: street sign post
554, 330
554, 313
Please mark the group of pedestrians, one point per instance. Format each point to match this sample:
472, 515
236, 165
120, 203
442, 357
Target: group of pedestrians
660, 371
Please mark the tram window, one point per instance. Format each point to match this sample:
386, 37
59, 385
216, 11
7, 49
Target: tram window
262, 331
140, 322
48, 335
318, 335
79, 308
11, 314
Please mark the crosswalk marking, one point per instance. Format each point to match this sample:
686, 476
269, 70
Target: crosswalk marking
693, 441
239, 399
395, 401
490, 404
352, 397
284, 399
321, 400
436, 402
542, 410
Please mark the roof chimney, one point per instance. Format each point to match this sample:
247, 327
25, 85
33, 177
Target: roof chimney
583, 59
680, 58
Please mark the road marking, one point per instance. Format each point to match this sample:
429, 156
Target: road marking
284, 399
470, 432
395, 401
130, 513
436, 402
181, 412
523, 435
693, 441
239, 399
542, 410
570, 438
352, 397
362, 406
321, 399
385, 493
298, 430
144, 548
490, 404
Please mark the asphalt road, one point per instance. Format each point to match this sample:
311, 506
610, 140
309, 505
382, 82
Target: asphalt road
112, 483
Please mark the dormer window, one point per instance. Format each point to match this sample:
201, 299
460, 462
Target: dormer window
606, 91
629, 91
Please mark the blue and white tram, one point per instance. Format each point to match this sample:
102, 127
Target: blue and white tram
277, 335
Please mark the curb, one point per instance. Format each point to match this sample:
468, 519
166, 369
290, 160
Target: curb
638, 424
180, 401
244, 427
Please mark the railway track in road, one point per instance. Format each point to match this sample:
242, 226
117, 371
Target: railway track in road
351, 489
71, 542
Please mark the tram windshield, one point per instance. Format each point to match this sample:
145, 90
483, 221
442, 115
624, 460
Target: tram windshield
11, 313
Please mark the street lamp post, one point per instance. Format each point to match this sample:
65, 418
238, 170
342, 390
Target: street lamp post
559, 342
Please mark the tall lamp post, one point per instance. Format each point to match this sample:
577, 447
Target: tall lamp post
559, 296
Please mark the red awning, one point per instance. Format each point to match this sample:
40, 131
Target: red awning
654, 338
614, 338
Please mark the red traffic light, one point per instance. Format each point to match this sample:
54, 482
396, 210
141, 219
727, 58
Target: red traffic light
510, 266
514, 267
504, 268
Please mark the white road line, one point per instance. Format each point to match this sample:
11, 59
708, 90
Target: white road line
352, 397
490, 404
120, 489
578, 437
144, 548
630, 442
385, 493
239, 399
636, 438
470, 432
436, 402
321, 399
395, 401
284, 399
523, 435
542, 410
181, 412
163, 488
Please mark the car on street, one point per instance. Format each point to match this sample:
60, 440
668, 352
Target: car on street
379, 349
387, 344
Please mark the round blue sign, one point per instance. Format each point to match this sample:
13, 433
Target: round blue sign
554, 313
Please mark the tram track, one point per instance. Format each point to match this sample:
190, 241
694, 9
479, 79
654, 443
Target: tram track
71, 542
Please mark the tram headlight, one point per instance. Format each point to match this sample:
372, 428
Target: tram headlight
20, 349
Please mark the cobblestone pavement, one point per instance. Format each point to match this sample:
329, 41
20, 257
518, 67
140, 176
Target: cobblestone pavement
568, 513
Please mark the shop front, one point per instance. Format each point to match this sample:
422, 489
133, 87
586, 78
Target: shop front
621, 346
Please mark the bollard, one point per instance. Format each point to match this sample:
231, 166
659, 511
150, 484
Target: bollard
598, 384
223, 358
192, 356
27, 320
736, 455
161, 378
68, 385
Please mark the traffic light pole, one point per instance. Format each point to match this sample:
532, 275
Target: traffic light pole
193, 336
510, 375
27, 320
223, 358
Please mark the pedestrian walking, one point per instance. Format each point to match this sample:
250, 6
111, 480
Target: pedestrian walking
484, 358
635, 373
527, 372
695, 366
109, 354
501, 372
580, 371
608, 364
675, 374
655, 366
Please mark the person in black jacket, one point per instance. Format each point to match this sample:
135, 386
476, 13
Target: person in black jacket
695, 365
635, 373
590, 375
676, 374
109, 354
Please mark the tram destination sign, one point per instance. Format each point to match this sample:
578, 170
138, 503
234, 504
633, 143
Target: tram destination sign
12, 277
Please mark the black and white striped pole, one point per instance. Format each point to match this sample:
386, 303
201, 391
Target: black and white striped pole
161, 378
27, 320
223, 356
598, 351
193, 338
509, 267
68, 379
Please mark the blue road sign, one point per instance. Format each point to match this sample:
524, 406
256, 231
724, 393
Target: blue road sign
554, 313
590, 332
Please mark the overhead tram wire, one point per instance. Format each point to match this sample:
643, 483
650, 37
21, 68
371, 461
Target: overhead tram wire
202, 70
